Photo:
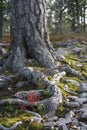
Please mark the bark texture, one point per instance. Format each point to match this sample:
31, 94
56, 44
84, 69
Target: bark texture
29, 37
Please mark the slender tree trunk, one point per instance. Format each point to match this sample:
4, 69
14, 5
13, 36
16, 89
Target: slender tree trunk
1, 17
84, 10
29, 37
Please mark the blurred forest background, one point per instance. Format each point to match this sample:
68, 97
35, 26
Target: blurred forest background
63, 17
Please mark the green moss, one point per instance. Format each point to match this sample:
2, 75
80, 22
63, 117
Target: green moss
72, 87
59, 109
84, 73
36, 126
50, 78
72, 63
20, 128
9, 121
84, 67
61, 87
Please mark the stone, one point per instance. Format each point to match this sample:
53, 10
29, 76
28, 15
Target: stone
84, 106
75, 122
79, 65
83, 95
63, 121
4, 81
64, 127
81, 100
72, 104
84, 127
84, 115
2, 51
61, 51
83, 87
49, 124
22, 84
53, 118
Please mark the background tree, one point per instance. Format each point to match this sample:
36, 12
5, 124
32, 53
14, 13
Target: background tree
1, 18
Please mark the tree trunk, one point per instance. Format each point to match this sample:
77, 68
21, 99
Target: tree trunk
29, 37
1, 18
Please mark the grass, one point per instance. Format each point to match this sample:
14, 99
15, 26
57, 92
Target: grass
65, 37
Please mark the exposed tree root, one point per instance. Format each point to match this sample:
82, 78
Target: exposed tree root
12, 127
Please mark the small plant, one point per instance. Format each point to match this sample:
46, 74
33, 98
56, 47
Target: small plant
46, 94
33, 97
9, 107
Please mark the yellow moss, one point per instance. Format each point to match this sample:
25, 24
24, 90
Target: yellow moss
84, 73
36, 126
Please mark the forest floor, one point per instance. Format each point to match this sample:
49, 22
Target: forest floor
71, 53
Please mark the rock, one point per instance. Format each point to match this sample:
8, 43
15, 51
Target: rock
76, 50
57, 77
64, 127
75, 122
61, 51
83, 95
84, 106
53, 118
22, 84
72, 104
2, 51
84, 127
63, 121
83, 87
4, 81
70, 115
81, 100
49, 124
79, 65
84, 115
72, 98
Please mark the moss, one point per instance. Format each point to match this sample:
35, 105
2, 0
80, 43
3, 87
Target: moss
84, 73
20, 128
72, 63
84, 67
50, 78
72, 87
9, 121
36, 126
59, 109
61, 87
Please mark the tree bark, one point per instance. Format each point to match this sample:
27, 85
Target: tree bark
29, 37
